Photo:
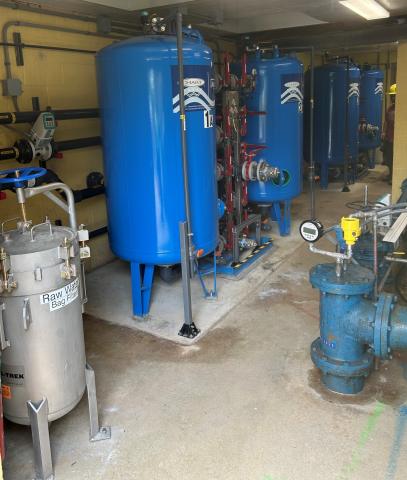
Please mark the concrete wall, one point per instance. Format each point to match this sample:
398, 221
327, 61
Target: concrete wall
400, 133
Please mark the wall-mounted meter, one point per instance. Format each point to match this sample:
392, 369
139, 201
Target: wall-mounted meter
311, 230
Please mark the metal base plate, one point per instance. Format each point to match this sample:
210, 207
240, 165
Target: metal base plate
189, 330
104, 434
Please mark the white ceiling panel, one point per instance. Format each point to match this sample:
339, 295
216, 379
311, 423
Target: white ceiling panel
269, 22
136, 4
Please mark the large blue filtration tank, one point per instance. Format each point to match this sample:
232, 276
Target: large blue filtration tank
371, 107
278, 93
138, 88
139, 105
331, 93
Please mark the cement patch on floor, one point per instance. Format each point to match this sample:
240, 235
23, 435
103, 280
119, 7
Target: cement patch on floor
109, 293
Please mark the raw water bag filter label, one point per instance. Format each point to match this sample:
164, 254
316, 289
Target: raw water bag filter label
62, 297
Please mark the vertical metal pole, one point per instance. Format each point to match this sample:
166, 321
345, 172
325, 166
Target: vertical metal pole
188, 329
38, 414
182, 118
96, 433
237, 169
311, 139
376, 272
346, 151
366, 196
375, 259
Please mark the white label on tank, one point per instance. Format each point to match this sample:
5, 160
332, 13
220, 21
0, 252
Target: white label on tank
208, 119
62, 297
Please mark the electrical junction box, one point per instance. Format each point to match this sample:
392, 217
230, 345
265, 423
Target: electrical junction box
12, 87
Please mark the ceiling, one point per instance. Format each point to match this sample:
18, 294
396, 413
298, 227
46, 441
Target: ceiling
223, 16
241, 16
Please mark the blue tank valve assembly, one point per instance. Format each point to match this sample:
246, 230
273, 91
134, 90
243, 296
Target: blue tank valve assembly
355, 324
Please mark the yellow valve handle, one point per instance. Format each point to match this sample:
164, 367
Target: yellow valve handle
351, 230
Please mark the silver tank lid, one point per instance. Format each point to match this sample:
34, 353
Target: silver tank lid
42, 238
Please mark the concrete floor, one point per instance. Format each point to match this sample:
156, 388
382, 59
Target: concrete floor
244, 403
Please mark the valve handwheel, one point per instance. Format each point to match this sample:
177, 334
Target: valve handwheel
18, 177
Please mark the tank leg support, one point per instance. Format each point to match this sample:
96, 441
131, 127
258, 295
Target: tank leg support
142, 277
96, 433
282, 214
38, 414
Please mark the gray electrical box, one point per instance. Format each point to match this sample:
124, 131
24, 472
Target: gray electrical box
12, 87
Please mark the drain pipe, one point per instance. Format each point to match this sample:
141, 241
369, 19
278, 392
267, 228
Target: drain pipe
188, 329
345, 187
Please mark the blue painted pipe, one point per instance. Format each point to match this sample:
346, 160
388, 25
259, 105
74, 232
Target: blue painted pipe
353, 328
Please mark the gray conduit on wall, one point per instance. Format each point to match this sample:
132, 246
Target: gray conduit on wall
17, 23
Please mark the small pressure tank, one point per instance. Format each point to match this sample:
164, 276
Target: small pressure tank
331, 94
275, 120
139, 105
371, 107
41, 329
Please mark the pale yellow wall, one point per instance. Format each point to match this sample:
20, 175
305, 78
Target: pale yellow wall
62, 80
400, 133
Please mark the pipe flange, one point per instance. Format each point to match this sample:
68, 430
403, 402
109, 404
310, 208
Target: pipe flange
355, 280
384, 307
340, 368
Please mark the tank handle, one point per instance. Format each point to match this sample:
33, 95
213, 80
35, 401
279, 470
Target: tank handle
193, 33
47, 222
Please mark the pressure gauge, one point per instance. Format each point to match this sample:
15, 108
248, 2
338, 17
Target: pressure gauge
311, 230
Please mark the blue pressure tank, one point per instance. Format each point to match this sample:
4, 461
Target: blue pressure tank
331, 94
371, 107
276, 120
139, 106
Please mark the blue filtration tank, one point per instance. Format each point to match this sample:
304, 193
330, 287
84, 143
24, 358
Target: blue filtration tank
139, 105
278, 93
371, 110
331, 93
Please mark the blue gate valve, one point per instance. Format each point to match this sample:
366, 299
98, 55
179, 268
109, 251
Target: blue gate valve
353, 328
21, 176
